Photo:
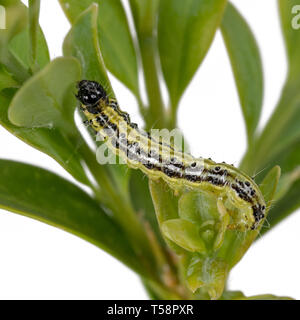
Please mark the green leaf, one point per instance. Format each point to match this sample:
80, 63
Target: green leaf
44, 196
114, 35
145, 21
269, 185
185, 32
284, 207
16, 19
288, 16
6, 80
82, 43
279, 142
15, 42
202, 209
246, 65
288, 193
165, 203
184, 233
286, 181
19, 46
166, 207
42, 101
51, 140
283, 128
144, 15
198, 207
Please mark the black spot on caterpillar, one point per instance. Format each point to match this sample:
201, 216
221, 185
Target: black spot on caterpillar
239, 194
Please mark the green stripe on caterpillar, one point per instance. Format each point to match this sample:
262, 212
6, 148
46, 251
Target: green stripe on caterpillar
238, 193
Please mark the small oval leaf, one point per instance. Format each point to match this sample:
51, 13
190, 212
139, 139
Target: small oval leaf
51, 141
184, 233
41, 102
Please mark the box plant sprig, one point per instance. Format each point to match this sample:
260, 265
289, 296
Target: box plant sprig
180, 243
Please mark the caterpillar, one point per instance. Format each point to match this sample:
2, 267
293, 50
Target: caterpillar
239, 194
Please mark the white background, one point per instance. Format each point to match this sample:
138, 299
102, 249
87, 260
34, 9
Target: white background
40, 262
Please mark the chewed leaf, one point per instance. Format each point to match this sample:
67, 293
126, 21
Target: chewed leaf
246, 64
45, 99
185, 33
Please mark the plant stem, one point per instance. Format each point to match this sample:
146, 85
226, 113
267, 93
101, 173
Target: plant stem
156, 113
171, 117
144, 15
143, 110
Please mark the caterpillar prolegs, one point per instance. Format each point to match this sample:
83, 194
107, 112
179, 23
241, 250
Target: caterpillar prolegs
239, 194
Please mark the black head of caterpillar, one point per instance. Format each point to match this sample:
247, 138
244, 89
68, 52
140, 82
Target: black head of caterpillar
90, 93
240, 195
